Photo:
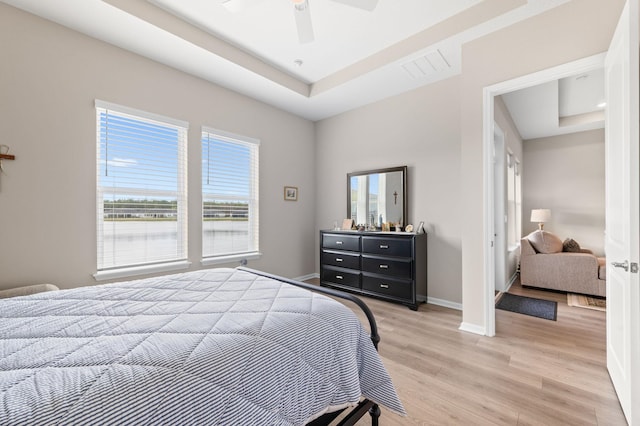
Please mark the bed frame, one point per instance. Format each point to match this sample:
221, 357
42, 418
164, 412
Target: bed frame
364, 406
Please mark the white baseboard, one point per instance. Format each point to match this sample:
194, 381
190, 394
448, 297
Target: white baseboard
445, 303
472, 328
307, 277
511, 281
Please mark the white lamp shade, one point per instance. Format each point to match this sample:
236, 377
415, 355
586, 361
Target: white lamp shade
540, 215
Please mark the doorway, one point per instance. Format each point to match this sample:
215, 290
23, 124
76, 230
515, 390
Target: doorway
622, 245
490, 92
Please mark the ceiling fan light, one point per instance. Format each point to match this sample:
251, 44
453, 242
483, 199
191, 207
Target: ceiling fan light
304, 25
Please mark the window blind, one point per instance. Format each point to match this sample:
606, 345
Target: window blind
230, 213
141, 187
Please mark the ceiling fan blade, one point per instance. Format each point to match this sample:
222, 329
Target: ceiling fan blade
303, 22
360, 4
236, 6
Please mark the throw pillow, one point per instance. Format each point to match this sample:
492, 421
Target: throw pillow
545, 242
571, 245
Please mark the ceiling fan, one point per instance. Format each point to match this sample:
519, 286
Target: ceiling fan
303, 15
301, 12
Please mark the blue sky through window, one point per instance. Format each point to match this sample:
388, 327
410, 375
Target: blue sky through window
138, 155
373, 184
226, 167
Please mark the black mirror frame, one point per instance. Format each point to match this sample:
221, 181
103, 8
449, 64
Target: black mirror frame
402, 169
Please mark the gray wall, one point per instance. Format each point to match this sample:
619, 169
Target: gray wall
567, 175
49, 79
419, 129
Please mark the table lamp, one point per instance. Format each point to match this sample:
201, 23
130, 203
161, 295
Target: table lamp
541, 216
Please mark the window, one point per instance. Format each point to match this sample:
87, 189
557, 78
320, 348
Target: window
514, 201
141, 188
229, 195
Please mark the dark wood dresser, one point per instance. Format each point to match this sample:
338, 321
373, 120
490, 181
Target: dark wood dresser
387, 265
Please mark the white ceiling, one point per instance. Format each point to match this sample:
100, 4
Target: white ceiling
358, 56
343, 34
569, 105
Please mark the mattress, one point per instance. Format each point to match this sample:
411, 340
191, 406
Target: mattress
213, 347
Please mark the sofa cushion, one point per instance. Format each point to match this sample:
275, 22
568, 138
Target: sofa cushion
545, 242
571, 245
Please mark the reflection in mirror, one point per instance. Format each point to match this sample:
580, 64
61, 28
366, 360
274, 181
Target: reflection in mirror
377, 196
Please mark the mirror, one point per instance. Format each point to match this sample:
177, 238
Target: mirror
378, 196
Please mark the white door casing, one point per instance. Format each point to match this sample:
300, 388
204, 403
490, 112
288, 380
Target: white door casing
621, 237
489, 93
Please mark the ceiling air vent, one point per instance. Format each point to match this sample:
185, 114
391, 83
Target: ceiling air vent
426, 65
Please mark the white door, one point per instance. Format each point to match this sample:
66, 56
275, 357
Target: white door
622, 212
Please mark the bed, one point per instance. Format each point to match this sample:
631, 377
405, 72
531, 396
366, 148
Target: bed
211, 347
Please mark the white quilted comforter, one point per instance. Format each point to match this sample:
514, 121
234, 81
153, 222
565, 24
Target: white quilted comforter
213, 347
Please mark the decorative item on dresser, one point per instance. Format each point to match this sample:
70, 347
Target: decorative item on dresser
390, 266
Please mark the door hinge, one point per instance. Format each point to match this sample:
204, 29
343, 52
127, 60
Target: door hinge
634, 267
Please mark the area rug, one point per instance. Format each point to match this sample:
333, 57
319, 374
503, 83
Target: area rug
546, 309
588, 302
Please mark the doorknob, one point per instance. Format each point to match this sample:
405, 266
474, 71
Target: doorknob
624, 265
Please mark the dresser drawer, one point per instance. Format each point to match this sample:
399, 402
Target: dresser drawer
399, 247
340, 277
341, 242
342, 259
387, 286
400, 268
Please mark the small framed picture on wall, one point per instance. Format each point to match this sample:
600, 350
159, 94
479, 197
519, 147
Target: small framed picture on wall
291, 193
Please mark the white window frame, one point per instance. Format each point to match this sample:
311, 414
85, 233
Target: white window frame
514, 201
149, 266
252, 199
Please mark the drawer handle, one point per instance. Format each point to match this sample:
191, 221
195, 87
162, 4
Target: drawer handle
384, 285
384, 246
338, 259
338, 243
384, 266
338, 277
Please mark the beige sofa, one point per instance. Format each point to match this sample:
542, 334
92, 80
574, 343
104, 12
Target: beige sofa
544, 264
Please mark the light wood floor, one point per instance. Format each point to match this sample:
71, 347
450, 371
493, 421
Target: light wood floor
534, 372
